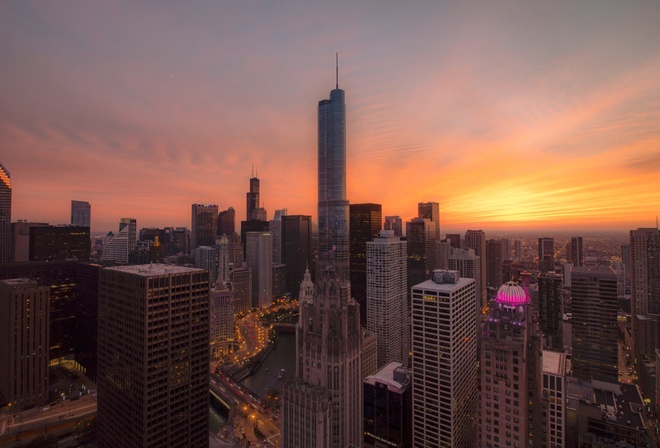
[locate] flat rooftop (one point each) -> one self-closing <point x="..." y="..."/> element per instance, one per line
<point x="433" y="286"/>
<point x="554" y="363"/>
<point x="148" y="270"/>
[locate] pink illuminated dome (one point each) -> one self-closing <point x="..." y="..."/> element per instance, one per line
<point x="511" y="293"/>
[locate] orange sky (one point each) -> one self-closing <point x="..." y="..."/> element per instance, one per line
<point x="514" y="115"/>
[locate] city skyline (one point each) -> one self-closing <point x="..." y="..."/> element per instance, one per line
<point x="535" y="116"/>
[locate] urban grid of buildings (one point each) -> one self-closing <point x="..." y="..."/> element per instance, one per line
<point x="403" y="338"/>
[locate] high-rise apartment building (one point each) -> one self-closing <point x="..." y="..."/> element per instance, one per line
<point x="328" y="368"/>
<point x="204" y="225"/>
<point x="645" y="290"/>
<point x="387" y="310"/>
<point x="366" y="221"/>
<point x="550" y="298"/>
<point x="576" y="251"/>
<point x="503" y="418"/>
<point x="395" y="224"/>
<point x="259" y="256"/>
<point x="546" y="254"/>
<point x="388" y="407"/>
<point x="5" y="214"/>
<point x="24" y="345"/>
<point x="153" y="356"/>
<point x="476" y="239"/>
<point x="333" y="213"/>
<point x="81" y="213"/>
<point x="430" y="211"/>
<point x="296" y="249"/>
<point x="444" y="362"/>
<point x="595" y="329"/>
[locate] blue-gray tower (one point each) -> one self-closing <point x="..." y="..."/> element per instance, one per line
<point x="333" y="213"/>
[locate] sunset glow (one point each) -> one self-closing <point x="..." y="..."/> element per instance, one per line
<point x="511" y="115"/>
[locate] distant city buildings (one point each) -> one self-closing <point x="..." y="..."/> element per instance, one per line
<point x="550" y="300"/>
<point x="546" y="254"/>
<point x="430" y="211"/>
<point x="227" y="222"/>
<point x="576" y="251"/>
<point x="204" y="226"/>
<point x="121" y="245"/>
<point x="395" y="224"/>
<point x="366" y="221"/>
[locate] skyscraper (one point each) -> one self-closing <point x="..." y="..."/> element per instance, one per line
<point x="366" y="221"/>
<point x="333" y="214"/>
<point x="395" y="224"/>
<point x="296" y="249"/>
<point x="595" y="329"/>
<point x="24" y="323"/>
<point x="5" y="214"/>
<point x="444" y="362"/>
<point x="576" y="251"/>
<point x="494" y="261"/>
<point x="227" y="222"/>
<point x="275" y="227"/>
<point x="153" y="356"/>
<point x="81" y="213"/>
<point x="546" y="254"/>
<point x="253" y="208"/>
<point x="121" y="245"/>
<point x="504" y="346"/>
<point x="645" y="290"/>
<point x="204" y="226"/>
<point x="550" y="309"/>
<point x="328" y="367"/>
<point x="259" y="255"/>
<point x="430" y="211"/>
<point x="420" y="233"/>
<point x="476" y="239"/>
<point x="387" y="309"/>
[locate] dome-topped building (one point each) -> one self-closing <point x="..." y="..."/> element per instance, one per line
<point x="511" y="293"/>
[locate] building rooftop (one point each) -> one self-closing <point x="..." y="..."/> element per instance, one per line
<point x="148" y="270"/>
<point x="511" y="293"/>
<point x="554" y="363"/>
<point x="448" y="286"/>
<point x="386" y="376"/>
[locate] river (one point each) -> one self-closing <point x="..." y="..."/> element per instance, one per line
<point x="283" y="356"/>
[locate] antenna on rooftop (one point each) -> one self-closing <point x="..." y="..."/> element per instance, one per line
<point x="337" y="68"/>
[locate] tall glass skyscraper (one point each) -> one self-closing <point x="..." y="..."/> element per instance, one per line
<point x="333" y="213"/>
<point x="5" y="214"/>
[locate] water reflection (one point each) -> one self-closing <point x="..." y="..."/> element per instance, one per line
<point x="283" y="356"/>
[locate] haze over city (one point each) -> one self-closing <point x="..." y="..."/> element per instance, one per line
<point x="520" y="115"/>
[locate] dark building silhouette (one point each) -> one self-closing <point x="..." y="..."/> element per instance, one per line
<point x="59" y="243"/>
<point x="546" y="254"/>
<point x="431" y="211"/>
<point x="204" y="228"/>
<point x="476" y="239"/>
<point x="227" y="222"/>
<point x="454" y="240"/>
<point x="81" y="213"/>
<point x="365" y="224"/>
<point x="388" y="408"/>
<point x="5" y="214"/>
<point x="420" y="234"/>
<point x="395" y="224"/>
<point x="253" y="225"/>
<point x="86" y="317"/>
<point x="550" y="309"/>
<point x="296" y="249"/>
<point x="576" y="251"/>
<point x="493" y="264"/>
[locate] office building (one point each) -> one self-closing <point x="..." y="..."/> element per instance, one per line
<point x="121" y="244"/>
<point x="297" y="252"/>
<point x="468" y="265"/>
<point x="153" y="357"/>
<point x="388" y="408"/>
<point x="241" y="287"/>
<point x="59" y="243"/>
<point x="476" y="239"/>
<point x="253" y="225"/>
<point x="275" y="228"/>
<point x="369" y="358"/>
<point x="279" y="280"/>
<point x="222" y="248"/>
<point x="494" y="261"/>
<point x="328" y="367"/>
<point x="253" y="209"/>
<point x="645" y="289"/>
<point x="20" y="240"/>
<point x="420" y="235"/>
<point x="553" y="401"/>
<point x="387" y="310"/>
<point x="259" y="256"/>
<point x="81" y="214"/>
<point x="333" y="213"/>
<point x="576" y="251"/>
<point x="517" y="250"/>
<point x="455" y="240"/>
<point x="227" y="222"/>
<point x="86" y="311"/>
<point x="366" y="221"/>
<point x="430" y="211"/>
<point x="206" y="257"/>
<point x="444" y="362"/>
<point x="503" y="418"/>
<point x="5" y="214"/>
<point x="443" y="250"/>
<point x="221" y="317"/>
<point x="506" y="250"/>
<point x="546" y="254"/>
<point x="24" y="345"/>
<point x="395" y="224"/>
<point x="204" y="226"/>
<point x="550" y="295"/>
<point x="595" y="328"/>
